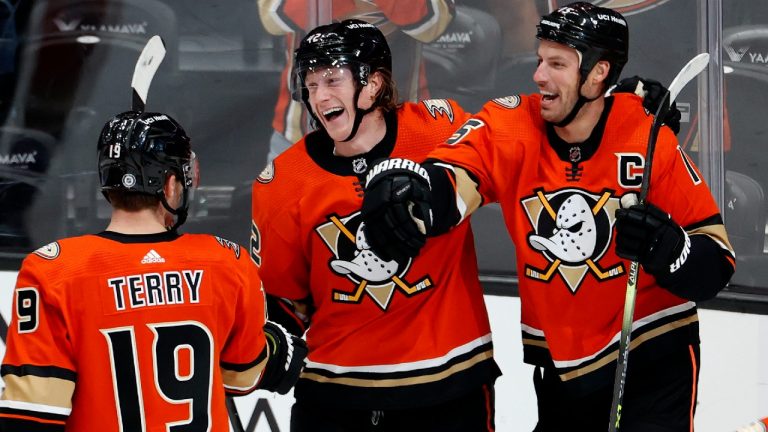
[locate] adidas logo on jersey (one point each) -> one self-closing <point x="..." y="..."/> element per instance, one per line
<point x="152" y="257"/>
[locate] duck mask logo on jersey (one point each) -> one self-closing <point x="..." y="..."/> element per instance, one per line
<point x="572" y="229"/>
<point x="354" y="259"/>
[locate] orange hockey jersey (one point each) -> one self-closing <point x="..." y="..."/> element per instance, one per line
<point x="116" y="332"/>
<point x="558" y="202"/>
<point x="384" y="334"/>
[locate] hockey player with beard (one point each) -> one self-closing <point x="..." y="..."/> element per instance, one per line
<point x="559" y="163"/>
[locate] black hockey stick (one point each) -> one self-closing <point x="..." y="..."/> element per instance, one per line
<point x="234" y="415"/>
<point x="146" y="66"/>
<point x="686" y="74"/>
<point x="149" y="61"/>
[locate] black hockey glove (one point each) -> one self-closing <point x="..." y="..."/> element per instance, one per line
<point x="286" y="359"/>
<point x="396" y="209"/>
<point x="648" y="235"/>
<point x="652" y="93"/>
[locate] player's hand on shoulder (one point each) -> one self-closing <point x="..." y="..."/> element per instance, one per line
<point x="286" y="359"/>
<point x="648" y="235"/>
<point x="396" y="208"/>
<point x="652" y="93"/>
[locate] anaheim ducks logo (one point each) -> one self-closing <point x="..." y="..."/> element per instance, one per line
<point x="572" y="229"/>
<point x="50" y="251"/>
<point x="229" y="245"/>
<point x="267" y="174"/>
<point x="509" y="102"/>
<point x="354" y="259"/>
<point x="439" y="107"/>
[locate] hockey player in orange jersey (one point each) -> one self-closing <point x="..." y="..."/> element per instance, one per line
<point x="559" y="163"/>
<point x="395" y="345"/>
<point x="139" y="327"/>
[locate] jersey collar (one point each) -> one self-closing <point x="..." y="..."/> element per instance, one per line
<point x="583" y="151"/>
<point x="319" y="147"/>
<point x="140" y="238"/>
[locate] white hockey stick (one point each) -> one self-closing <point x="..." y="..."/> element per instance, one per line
<point x="146" y="66"/>
<point x="686" y="75"/>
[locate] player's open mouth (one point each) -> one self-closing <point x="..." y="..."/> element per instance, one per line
<point x="332" y="113"/>
<point x="548" y="96"/>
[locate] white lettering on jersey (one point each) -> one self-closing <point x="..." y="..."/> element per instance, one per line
<point x="155" y="289"/>
<point x="464" y="130"/>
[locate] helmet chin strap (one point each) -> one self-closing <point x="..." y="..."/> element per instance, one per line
<point x="180" y="213"/>
<point x="580" y="102"/>
<point x="359" y="114"/>
<point x="576" y="108"/>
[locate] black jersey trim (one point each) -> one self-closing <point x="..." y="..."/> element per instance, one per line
<point x="331" y="394"/>
<point x="166" y="236"/>
<point x="650" y="342"/>
<point x="39" y="371"/>
<point x="588" y="147"/>
<point x="242" y="367"/>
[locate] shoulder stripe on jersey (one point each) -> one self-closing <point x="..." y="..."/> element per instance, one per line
<point x="715" y="219"/>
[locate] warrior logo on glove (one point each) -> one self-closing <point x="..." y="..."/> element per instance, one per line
<point x="396" y="164"/>
<point x="397" y="206"/>
<point x="572" y="230"/>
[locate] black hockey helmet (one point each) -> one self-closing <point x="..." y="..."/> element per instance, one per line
<point x="597" y="33"/>
<point x="137" y="152"/>
<point x="354" y="43"/>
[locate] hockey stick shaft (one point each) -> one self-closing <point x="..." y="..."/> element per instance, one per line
<point x="686" y="75"/>
<point x="234" y="415"/>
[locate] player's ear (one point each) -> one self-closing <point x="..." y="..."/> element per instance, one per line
<point x="599" y="73"/>
<point x="593" y="85"/>
<point x="172" y="189"/>
<point x="375" y="83"/>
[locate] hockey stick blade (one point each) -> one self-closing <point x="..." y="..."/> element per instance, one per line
<point x="686" y="75"/>
<point x="146" y="66"/>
